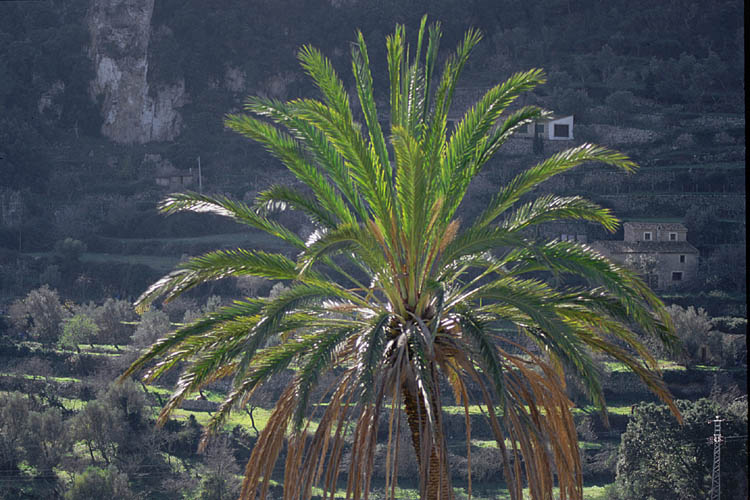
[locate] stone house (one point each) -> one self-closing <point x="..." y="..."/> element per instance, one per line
<point x="175" y="179"/>
<point x="167" y="175"/>
<point x="658" y="250"/>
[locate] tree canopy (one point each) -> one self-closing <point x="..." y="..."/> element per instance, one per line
<point x="660" y="459"/>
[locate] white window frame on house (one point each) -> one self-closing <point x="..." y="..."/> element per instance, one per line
<point x="647" y="235"/>
<point x="677" y="276"/>
<point x="672" y="236"/>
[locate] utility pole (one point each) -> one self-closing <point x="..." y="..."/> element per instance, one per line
<point x="716" y="439"/>
<point x="200" y="177"/>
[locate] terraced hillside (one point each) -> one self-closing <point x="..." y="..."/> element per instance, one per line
<point x="72" y="388"/>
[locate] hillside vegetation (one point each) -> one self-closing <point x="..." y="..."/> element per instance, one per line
<point x="80" y="237"/>
<point x="663" y="82"/>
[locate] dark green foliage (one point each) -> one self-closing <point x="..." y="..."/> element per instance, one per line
<point x="702" y="222"/>
<point x="32" y="435"/>
<point x="219" y="479"/>
<point x="14" y="410"/>
<point x="96" y="482"/>
<point x="726" y="269"/>
<point x="49" y="439"/>
<point x="70" y="249"/>
<point x="115" y="428"/>
<point x="42" y="47"/>
<point x="154" y="324"/>
<point x="184" y="437"/>
<point x="114" y="319"/>
<point x="622" y="104"/>
<point x="39" y="314"/>
<point x="730" y="324"/>
<point x="700" y="343"/>
<point x="661" y="459"/>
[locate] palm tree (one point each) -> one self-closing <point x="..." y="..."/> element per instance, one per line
<point x="393" y="295"/>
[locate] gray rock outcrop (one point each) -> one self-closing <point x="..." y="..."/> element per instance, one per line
<point x="133" y="111"/>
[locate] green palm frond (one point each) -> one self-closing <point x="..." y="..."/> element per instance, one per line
<point x="288" y="150"/>
<point x="248" y="308"/>
<point x="322" y="73"/>
<point x="363" y="79"/>
<point x="344" y="237"/>
<point x="370" y="176"/>
<point x="460" y="163"/>
<point x="623" y="286"/>
<point x="219" y="352"/>
<point x="536" y="300"/>
<point x="278" y="198"/>
<point x="217" y="265"/>
<point x="315" y="143"/>
<point x="516" y="120"/>
<point x="318" y="359"/>
<point x="486" y="350"/>
<point x="556" y="164"/>
<point x="550" y="208"/>
<point x="411" y="182"/>
<point x="477" y="240"/>
<point x="452" y="69"/>
<point x="240" y="212"/>
<point x="371" y="349"/>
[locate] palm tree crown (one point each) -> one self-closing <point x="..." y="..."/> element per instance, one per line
<point x="393" y="295"/>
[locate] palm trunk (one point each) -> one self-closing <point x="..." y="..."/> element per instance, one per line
<point x="436" y="483"/>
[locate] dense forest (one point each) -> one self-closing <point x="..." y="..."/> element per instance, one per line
<point x="108" y="105"/>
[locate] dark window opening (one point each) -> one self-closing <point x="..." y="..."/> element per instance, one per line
<point x="562" y="130"/>
<point x="672" y="236"/>
<point x="647" y="236"/>
<point x="677" y="276"/>
<point x="682" y="259"/>
<point x="539" y="128"/>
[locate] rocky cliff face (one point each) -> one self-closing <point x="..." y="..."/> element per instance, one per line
<point x="133" y="111"/>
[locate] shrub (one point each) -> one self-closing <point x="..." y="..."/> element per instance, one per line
<point x="40" y="314"/>
<point x="730" y="324"/>
<point x="70" y="249"/>
<point x="154" y="324"/>
<point x="621" y="102"/>
<point x="112" y="318"/>
<point x="700" y="343"/>
<point x="100" y="483"/>
<point x="78" y="329"/>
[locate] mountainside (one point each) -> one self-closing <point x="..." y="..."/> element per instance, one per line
<point x="100" y="98"/>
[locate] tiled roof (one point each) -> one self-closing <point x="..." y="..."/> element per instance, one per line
<point x="616" y="246"/>
<point x="664" y="226"/>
